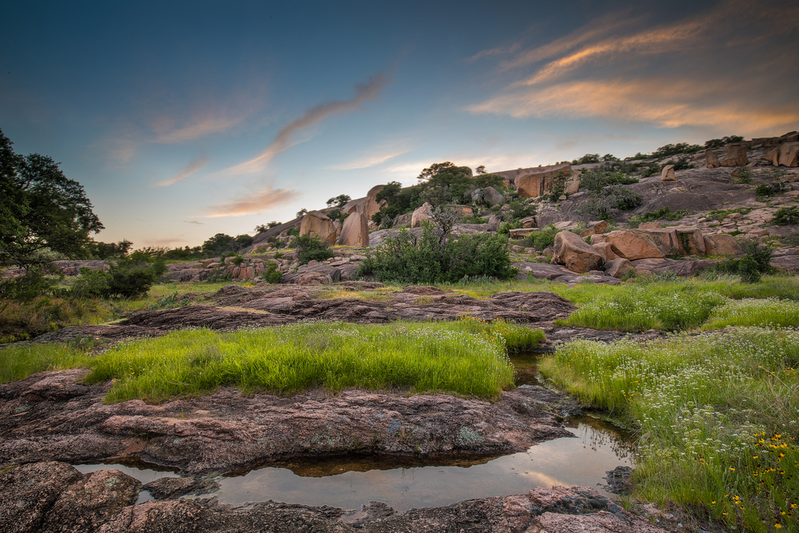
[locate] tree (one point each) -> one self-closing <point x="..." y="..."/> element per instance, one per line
<point x="41" y="209"/>
<point x="338" y="201"/>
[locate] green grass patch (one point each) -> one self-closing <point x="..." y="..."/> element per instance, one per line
<point x="678" y="305"/>
<point x="443" y="357"/>
<point x="717" y="416"/>
<point x="21" y="360"/>
<point x="768" y="313"/>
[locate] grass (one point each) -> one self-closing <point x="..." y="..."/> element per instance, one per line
<point x="22" y="320"/>
<point x="21" y="360"/>
<point x="683" y="304"/>
<point x="467" y="357"/>
<point x="717" y="415"/>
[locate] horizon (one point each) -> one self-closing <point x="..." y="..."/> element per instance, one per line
<point x="190" y="119"/>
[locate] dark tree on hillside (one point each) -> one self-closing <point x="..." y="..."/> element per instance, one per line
<point x="40" y="209"/>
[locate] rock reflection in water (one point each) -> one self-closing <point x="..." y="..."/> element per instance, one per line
<point x="404" y="484"/>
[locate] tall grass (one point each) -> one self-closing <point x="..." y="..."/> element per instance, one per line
<point x="770" y="312"/>
<point x="718" y="416"/>
<point x="20" y="361"/>
<point x="465" y="357"/>
<point x="22" y="320"/>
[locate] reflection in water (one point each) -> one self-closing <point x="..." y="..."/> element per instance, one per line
<point x="406" y="483"/>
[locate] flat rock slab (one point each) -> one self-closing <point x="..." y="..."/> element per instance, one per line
<point x="54" y="498"/>
<point x="239" y="307"/>
<point x="52" y="416"/>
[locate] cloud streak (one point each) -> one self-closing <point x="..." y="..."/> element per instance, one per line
<point x="253" y="203"/>
<point x="285" y="137"/>
<point x="193" y="166"/>
<point x="372" y="160"/>
<point x="715" y="68"/>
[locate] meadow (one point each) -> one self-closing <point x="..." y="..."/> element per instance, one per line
<point x="466" y="357"/>
<point x="717" y="417"/>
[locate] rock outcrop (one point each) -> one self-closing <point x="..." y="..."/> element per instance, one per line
<point x="421" y="214"/>
<point x="355" y="231"/>
<point x="534" y="182"/>
<point x="629" y="244"/>
<point x="668" y="173"/>
<point x="736" y="156"/>
<point x="573" y="252"/>
<point x="317" y="224"/>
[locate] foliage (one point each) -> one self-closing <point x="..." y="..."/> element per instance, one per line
<point x="221" y="244"/>
<point x="594" y="181"/>
<point x="541" y="239"/>
<point x="104" y="250"/>
<point x="613" y="197"/>
<point x="431" y="259"/>
<point x="261" y="228"/>
<point x="785" y="216"/>
<point x="312" y="249"/>
<point x="129" y="277"/>
<point x="172" y="254"/>
<point x="664" y="213"/>
<point x="40" y="209"/>
<point x="271" y="274"/>
<point x="716" y="415"/>
<point x="521" y="208"/>
<point x="20" y="361"/>
<point x="30" y="285"/>
<point x="675" y="149"/>
<point x="558" y="186"/>
<point x="681" y="164"/>
<point x="21" y="320"/>
<point x="586" y="159"/>
<point x="744" y="176"/>
<point x="338" y="201"/>
<point x="755" y="262"/>
<point x="720" y="143"/>
<point x="290" y="359"/>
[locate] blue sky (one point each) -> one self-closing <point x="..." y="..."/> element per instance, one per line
<point x="186" y="119"/>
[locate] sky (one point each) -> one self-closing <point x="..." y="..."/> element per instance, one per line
<point x="183" y="119"/>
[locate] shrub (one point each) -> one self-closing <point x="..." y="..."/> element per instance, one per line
<point x="521" y="208"/>
<point x="429" y="259"/>
<point x="664" y="213"/>
<point x="541" y="239"/>
<point x="720" y="143"/>
<point x="271" y="274"/>
<point x="674" y="149"/>
<point x="755" y="262"/>
<point x="744" y="176"/>
<point x="785" y="216"/>
<point x="237" y="260"/>
<point x="586" y="159"/>
<point x="612" y="197"/>
<point x="130" y="277"/>
<point x="312" y="249"/>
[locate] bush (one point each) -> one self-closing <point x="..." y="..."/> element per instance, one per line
<point x="312" y="249"/>
<point x="755" y="262"/>
<point x="521" y="208"/>
<point x="613" y="197"/>
<point x="32" y="284"/>
<point x="541" y="239"/>
<point x="664" y="213"/>
<point x="271" y="274"/>
<point x="785" y="216"/>
<point x="404" y="259"/>
<point x="674" y="149"/>
<point x="130" y="277"/>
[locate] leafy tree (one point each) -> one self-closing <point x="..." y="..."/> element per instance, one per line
<point x="338" y="201"/>
<point x="40" y="209"/>
<point x="302" y="212"/>
<point x="720" y="143"/>
<point x="221" y="244"/>
<point x="480" y="170"/>
<point x="129" y="277"/>
<point x="105" y="250"/>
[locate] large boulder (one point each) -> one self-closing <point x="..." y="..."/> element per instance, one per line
<point x="618" y="267"/>
<point x="711" y="159"/>
<point x="691" y="240"/>
<point x="666" y="239"/>
<point x="355" y="231"/>
<point x="421" y="214"/>
<point x="368" y="205"/>
<point x="317" y="224"/>
<point x="593" y="227"/>
<point x="788" y="155"/>
<point x="722" y="244"/>
<point x="736" y="155"/>
<point x="537" y="181"/>
<point x="629" y="244"/>
<point x="492" y="196"/>
<point x="573" y="252"/>
<point x="668" y="173"/>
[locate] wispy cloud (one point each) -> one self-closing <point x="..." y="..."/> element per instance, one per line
<point x="664" y="102"/>
<point x="715" y="68"/>
<point x="253" y="203"/>
<point x="379" y="157"/>
<point x="285" y="137"/>
<point x="193" y="166"/>
<point x="194" y="222"/>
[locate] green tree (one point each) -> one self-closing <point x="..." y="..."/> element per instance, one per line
<point x="41" y="209"/>
<point x="338" y="201"/>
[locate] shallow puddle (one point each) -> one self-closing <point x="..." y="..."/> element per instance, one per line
<point x="406" y="483"/>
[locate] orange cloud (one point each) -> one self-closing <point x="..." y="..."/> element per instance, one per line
<point x="253" y="203"/>
<point x="664" y="102"/>
<point x="193" y="166"/>
<point x="284" y="139"/>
